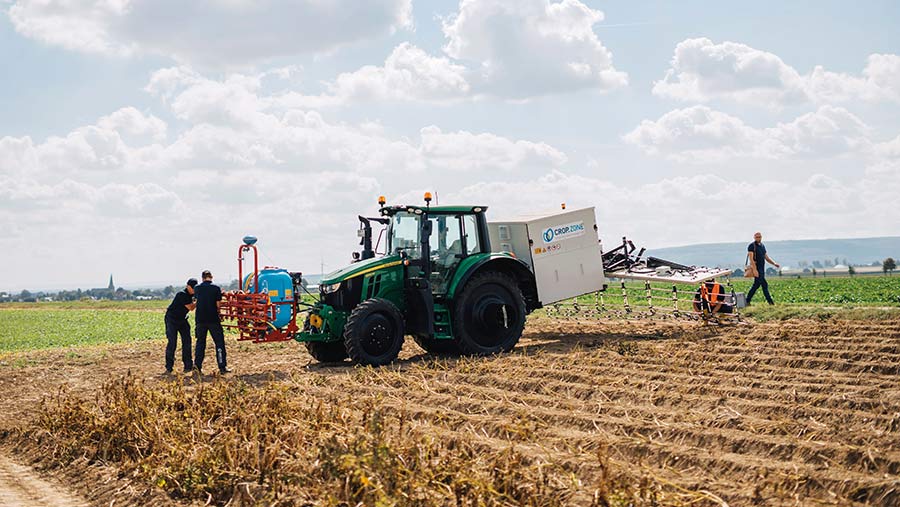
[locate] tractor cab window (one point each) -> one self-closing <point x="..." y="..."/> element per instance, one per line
<point x="446" y="250"/>
<point x="446" y="239"/>
<point x="470" y="226"/>
<point x="403" y="234"/>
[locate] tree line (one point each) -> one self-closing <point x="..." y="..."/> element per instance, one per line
<point x="119" y="294"/>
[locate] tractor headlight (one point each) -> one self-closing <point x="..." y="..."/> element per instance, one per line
<point x="328" y="289"/>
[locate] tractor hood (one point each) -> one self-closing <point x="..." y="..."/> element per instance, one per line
<point x="360" y="268"/>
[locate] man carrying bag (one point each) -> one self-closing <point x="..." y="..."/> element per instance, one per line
<point x="756" y="261"/>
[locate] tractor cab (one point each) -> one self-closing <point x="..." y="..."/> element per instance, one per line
<point x="436" y="239"/>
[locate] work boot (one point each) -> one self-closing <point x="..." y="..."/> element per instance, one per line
<point x="168" y="371"/>
<point x="223" y="371"/>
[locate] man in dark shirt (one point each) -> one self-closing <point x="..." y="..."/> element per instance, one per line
<point x="208" y="320"/>
<point x="756" y="252"/>
<point x="177" y="323"/>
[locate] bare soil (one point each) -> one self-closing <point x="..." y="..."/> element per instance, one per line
<point x="787" y="413"/>
<point x="20" y="486"/>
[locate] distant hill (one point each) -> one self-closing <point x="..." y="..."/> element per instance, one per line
<point x="790" y="253"/>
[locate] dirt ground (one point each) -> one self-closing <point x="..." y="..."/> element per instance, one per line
<point x="788" y="413"/>
<point x="20" y="486"/>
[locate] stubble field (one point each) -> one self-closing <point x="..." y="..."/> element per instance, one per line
<point x="602" y="412"/>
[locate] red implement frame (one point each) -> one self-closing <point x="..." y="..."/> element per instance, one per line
<point x="251" y="312"/>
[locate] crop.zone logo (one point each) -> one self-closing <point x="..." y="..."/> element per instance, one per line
<point x="562" y="232"/>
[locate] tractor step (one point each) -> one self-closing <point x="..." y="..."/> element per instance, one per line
<point x="442" y="329"/>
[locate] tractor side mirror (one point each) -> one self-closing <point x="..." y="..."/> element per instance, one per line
<point x="426" y="229"/>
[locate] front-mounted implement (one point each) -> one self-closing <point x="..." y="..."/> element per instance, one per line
<point x="265" y="308"/>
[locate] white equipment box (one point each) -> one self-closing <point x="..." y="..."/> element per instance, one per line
<point x="562" y="249"/>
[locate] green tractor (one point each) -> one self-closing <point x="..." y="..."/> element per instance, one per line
<point x="438" y="281"/>
<point x="449" y="279"/>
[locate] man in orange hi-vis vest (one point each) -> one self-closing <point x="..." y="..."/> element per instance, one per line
<point x="711" y="296"/>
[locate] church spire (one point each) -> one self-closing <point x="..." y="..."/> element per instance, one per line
<point x="112" y="287"/>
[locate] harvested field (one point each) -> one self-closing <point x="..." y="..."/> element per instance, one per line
<point x="780" y="413"/>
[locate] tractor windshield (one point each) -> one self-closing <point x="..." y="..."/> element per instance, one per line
<point x="403" y="234"/>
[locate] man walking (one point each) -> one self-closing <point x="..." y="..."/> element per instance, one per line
<point x="177" y="323"/>
<point x="756" y="251"/>
<point x="208" y="320"/>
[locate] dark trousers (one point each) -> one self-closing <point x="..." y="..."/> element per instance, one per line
<point x="174" y="327"/>
<point x="760" y="281"/>
<point x="218" y="336"/>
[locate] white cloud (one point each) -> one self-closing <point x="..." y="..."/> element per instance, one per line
<point x="408" y="73"/>
<point x="68" y="196"/>
<point x="829" y="131"/>
<point x="702" y="70"/>
<point x="234" y="125"/>
<point x="465" y="151"/>
<point x="514" y="50"/>
<point x="196" y="99"/>
<point x="880" y="80"/>
<point x="218" y="33"/>
<point x="702" y="135"/>
<point x="129" y="121"/>
<point x="527" y="48"/>
<point x="888" y="149"/>
<point x="120" y="142"/>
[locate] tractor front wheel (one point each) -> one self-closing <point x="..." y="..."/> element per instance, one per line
<point x="374" y="332"/>
<point x="489" y="314"/>
<point x="327" y="352"/>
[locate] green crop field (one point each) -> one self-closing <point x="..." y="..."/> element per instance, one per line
<point x="155" y="304"/>
<point x="869" y="290"/>
<point x="40" y="328"/>
<point x="870" y="297"/>
<point x="27" y="326"/>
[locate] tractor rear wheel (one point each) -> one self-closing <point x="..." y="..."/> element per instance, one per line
<point x="489" y="314"/>
<point x="374" y="332"/>
<point x="437" y="347"/>
<point x="327" y="352"/>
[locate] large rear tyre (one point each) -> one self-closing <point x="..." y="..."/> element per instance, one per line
<point x="374" y="332"/>
<point x="437" y="347"/>
<point x="489" y="315"/>
<point x="327" y="352"/>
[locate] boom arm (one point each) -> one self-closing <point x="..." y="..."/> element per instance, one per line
<point x="622" y="262"/>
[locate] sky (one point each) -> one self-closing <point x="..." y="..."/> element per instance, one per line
<point x="145" y="138"/>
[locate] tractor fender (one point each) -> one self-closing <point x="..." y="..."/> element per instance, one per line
<point x="511" y="266"/>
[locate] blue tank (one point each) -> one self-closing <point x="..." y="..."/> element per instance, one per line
<point x="277" y="283"/>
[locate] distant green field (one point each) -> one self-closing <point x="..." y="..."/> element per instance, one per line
<point x="41" y="328"/>
<point x="28" y="326"/>
<point x="155" y="304"/>
<point x="872" y="290"/>
<point x="869" y="290"/>
<point x="870" y="297"/>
